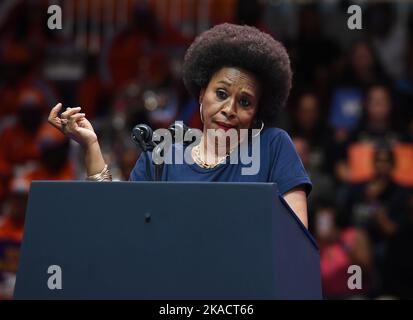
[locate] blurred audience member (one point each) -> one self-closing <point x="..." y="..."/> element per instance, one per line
<point x="377" y="128"/>
<point x="308" y="122"/>
<point x="363" y="67"/>
<point x="18" y="144"/>
<point x="377" y="205"/>
<point x="379" y="123"/>
<point x="339" y="249"/>
<point x="92" y="95"/>
<point x="11" y="235"/>
<point x="54" y="162"/>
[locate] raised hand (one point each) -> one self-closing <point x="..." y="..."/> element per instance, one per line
<point x="73" y="124"/>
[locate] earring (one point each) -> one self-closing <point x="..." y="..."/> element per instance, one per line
<point x="200" y="113"/>
<point x="262" y="127"/>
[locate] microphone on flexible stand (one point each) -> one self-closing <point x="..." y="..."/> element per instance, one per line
<point x="142" y="136"/>
<point x="179" y="130"/>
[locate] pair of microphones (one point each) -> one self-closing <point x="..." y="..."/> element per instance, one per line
<point x="143" y="136"/>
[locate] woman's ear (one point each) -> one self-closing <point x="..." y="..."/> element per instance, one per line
<point x="201" y="95"/>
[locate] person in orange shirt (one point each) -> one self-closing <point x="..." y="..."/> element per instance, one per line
<point x="18" y="142"/>
<point x="11" y="234"/>
<point x="12" y="219"/>
<point x="55" y="163"/>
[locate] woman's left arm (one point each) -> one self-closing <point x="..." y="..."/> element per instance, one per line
<point x="297" y="200"/>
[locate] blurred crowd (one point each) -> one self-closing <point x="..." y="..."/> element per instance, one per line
<point x="350" y="114"/>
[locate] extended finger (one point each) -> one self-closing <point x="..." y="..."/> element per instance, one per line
<point x="55" y="111"/>
<point x="53" y="116"/>
<point x="69" y="112"/>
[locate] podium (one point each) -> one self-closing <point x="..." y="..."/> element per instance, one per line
<point x="164" y="240"/>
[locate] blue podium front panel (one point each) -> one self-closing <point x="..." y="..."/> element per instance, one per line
<point x="164" y="240"/>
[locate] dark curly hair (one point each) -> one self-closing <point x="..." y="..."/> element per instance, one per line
<point x="229" y="45"/>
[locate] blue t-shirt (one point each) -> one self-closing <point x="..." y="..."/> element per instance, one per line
<point x="278" y="162"/>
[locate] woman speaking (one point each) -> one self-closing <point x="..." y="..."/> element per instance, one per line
<point x="241" y="77"/>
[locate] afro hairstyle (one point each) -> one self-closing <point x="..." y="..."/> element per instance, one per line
<point x="245" y="47"/>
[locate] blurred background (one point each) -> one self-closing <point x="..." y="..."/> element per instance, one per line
<point x="350" y="112"/>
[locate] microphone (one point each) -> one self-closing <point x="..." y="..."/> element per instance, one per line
<point x="178" y="130"/>
<point x="142" y="135"/>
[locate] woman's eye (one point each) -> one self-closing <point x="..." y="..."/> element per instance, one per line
<point x="221" y="94"/>
<point x="245" y="102"/>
